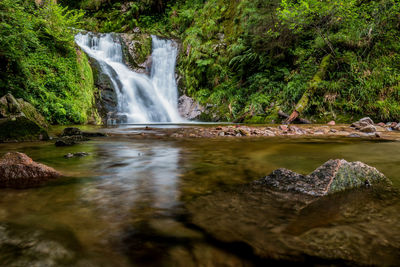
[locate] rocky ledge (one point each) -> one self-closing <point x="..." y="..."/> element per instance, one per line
<point x="72" y="135"/>
<point x="333" y="176"/>
<point x="20" y="121"/>
<point x="17" y="170"/>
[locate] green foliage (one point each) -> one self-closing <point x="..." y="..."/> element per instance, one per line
<point x="40" y="63"/>
<point x="251" y="58"/>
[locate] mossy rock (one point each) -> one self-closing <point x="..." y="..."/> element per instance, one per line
<point x="11" y="107"/>
<point x="32" y="114"/>
<point x="21" y="129"/>
<point x="136" y="49"/>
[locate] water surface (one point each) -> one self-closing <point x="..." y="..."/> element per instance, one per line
<point x="125" y="204"/>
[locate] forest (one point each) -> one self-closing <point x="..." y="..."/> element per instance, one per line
<point x="246" y="59"/>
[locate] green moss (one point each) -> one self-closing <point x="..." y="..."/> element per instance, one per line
<point x="141" y="50"/>
<point x="32" y="114"/>
<point x="21" y="129"/>
<point x="43" y="65"/>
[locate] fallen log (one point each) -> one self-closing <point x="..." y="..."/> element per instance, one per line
<point x="312" y="87"/>
<point x="299" y="120"/>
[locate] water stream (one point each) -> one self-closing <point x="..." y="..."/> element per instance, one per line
<point x="141" y="98"/>
<point x="133" y="202"/>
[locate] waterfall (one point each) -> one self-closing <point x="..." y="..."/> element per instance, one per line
<point x="142" y="98"/>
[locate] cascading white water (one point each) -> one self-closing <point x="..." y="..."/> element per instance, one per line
<point x="141" y="98"/>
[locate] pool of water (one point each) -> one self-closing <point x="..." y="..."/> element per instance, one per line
<point x="125" y="204"/>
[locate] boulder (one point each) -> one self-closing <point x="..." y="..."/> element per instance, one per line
<point x="72" y="135"/>
<point x="136" y="48"/>
<point x="366" y="121"/>
<point x="368" y="129"/>
<point x="189" y="108"/>
<point x="397" y="127"/>
<point x="71" y="131"/>
<point x="333" y="176"/>
<point x="21" y="129"/>
<point x="66" y="141"/>
<point x="19" y="170"/>
<point x="20" y="121"/>
<point x="106" y="97"/>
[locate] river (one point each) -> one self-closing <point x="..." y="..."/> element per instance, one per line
<point x="125" y="204"/>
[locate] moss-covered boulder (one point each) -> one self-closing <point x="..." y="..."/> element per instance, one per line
<point x="136" y="48"/>
<point x="20" y="121"/>
<point x="333" y="176"/>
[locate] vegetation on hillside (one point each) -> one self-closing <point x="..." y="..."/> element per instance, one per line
<point x="247" y="58"/>
<point x="39" y="61"/>
<point x="251" y="58"/>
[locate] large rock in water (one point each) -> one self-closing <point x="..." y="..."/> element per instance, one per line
<point x="333" y="176"/>
<point x="20" y="121"/>
<point x="17" y="170"/>
<point x="349" y="228"/>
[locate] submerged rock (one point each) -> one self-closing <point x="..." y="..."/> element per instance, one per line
<point x="30" y="246"/>
<point x="65" y="142"/>
<point x="333" y="176"/>
<point x="76" y="155"/>
<point x="19" y="121"/>
<point x="19" y="170"/>
<point x="72" y="135"/>
<point x="71" y="131"/>
<point x="350" y="228"/>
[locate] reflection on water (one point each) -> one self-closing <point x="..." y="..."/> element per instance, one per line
<point x="134" y="202"/>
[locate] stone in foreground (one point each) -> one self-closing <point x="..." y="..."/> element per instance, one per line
<point x="333" y="176"/>
<point x="18" y="170"/>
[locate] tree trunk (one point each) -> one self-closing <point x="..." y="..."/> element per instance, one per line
<point x="312" y="87"/>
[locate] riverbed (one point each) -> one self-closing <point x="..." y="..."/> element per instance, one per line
<point x="126" y="204"/>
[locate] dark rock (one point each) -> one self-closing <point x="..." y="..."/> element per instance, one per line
<point x="76" y="155"/>
<point x="19" y="170"/>
<point x="106" y="97"/>
<point x="71" y="131"/>
<point x="90" y="134"/>
<point x="70" y="140"/>
<point x="72" y="135"/>
<point x="21" y="129"/>
<point x="333" y="176"/>
<point x="19" y="121"/>
<point x="189" y="108"/>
